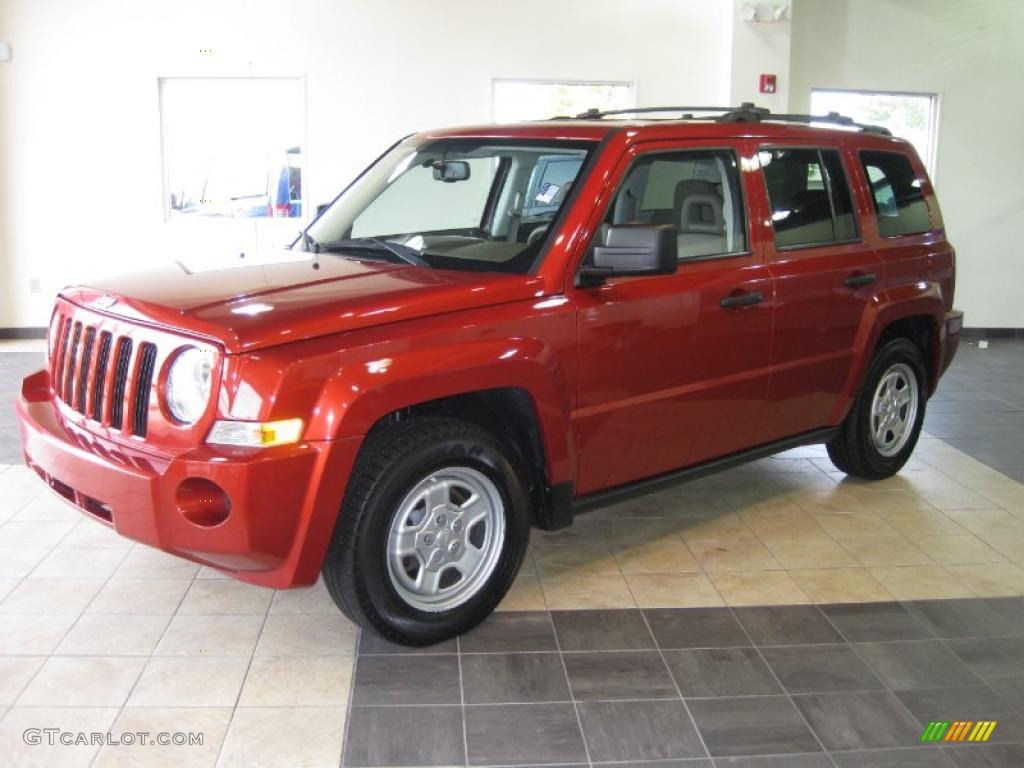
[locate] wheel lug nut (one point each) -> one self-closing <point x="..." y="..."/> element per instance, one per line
<point x="428" y="539"/>
<point x="457" y="526"/>
<point x="437" y="557"/>
<point x="453" y="548"/>
<point x="440" y="520"/>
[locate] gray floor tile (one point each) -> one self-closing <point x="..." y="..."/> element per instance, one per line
<point x="775" y="761"/>
<point x="820" y="668"/>
<point x="404" y="736"/>
<point x="987" y="756"/>
<point x="964" y="618"/>
<point x="523" y="734"/>
<point x="762" y="725"/>
<point x="864" y="622"/>
<point x="619" y="675"/>
<point x="787" y="625"/>
<point x="709" y="672"/>
<point x="370" y="643"/>
<point x="968" y="703"/>
<point x="919" y="664"/>
<point x="695" y="628"/>
<point x="507" y="678"/>
<point x="872" y="720"/>
<point x="640" y="730"/>
<point x="992" y="658"/>
<point x="916" y="757"/>
<point x="616" y="630"/>
<point x="509" y="631"/>
<point x="406" y="680"/>
<point x="1010" y="690"/>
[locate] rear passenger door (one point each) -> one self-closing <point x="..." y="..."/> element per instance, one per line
<point x="825" y="277"/>
<point x="668" y="375"/>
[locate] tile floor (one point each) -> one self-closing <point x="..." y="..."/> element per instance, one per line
<point x="637" y="636"/>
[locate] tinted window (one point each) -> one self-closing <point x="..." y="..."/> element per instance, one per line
<point x="896" y="190"/>
<point x="698" y="192"/>
<point x="809" y="195"/>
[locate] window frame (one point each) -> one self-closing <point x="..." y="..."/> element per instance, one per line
<point x="858" y="236"/>
<point x="642" y="154"/>
<point x="874" y="202"/>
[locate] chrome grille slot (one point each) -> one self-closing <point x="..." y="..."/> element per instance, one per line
<point x="60" y="355"/>
<point x="144" y="383"/>
<point x="69" y="375"/>
<point x="124" y="354"/>
<point x="106" y="339"/>
<point x="84" y="369"/>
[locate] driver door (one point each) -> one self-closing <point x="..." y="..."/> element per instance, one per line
<point x="674" y="368"/>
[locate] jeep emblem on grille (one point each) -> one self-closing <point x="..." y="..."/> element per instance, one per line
<point x="104" y="302"/>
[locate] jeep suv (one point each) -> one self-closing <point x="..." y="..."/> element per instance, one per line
<point x="494" y="328"/>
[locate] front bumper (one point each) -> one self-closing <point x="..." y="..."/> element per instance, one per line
<point x="283" y="501"/>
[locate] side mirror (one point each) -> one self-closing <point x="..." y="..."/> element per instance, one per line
<point x="632" y="250"/>
<point x="451" y="170"/>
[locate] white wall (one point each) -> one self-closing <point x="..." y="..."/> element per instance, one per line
<point x="760" y="48"/>
<point x="80" y="175"/>
<point x="970" y="52"/>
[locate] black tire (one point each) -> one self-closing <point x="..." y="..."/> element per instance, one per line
<point x="853" y="451"/>
<point x="392" y="460"/>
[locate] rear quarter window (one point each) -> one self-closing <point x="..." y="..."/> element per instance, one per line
<point x="896" y="191"/>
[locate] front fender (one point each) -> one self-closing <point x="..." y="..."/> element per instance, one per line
<point x="360" y="393"/>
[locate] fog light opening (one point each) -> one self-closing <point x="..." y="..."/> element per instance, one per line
<point x="202" y="502"/>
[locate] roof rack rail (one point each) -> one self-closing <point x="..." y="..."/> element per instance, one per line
<point x="746" y="112"/>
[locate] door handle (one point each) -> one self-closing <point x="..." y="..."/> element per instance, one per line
<point x="742" y="300"/>
<point x="859" y="280"/>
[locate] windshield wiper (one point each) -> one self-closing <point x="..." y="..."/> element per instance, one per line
<point x="308" y="243"/>
<point x="403" y="253"/>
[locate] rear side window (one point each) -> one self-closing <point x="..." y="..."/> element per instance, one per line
<point x="809" y="195"/>
<point x="896" y="190"/>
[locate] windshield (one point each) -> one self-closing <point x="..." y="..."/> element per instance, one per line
<point x="469" y="204"/>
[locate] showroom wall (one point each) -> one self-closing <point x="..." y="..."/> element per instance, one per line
<point x="971" y="53"/>
<point x="80" y="167"/>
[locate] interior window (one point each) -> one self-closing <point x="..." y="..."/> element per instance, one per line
<point x="809" y="195"/>
<point x="697" y="191"/>
<point x="899" y="203"/>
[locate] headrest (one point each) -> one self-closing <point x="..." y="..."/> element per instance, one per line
<point x="702" y="213"/>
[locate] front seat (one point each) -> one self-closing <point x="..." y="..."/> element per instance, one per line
<point x="697" y="211"/>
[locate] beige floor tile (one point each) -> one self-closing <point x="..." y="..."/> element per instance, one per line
<point x="579" y="559"/>
<point x="190" y="681"/>
<point x="569" y="591"/>
<point x="745" y="553"/>
<point x="920" y="582"/>
<point x="526" y="593"/>
<point x="314" y="599"/>
<point x="884" y="550"/>
<point x="673" y="590"/>
<point x="145" y="562"/>
<point x="311" y="634"/>
<point x="725" y="526"/>
<point x="225" y="596"/>
<point x="284" y="681"/>
<point x="82" y="681"/>
<point x="667" y="555"/>
<point x="960" y="499"/>
<point x="130" y="596"/>
<point x="922" y="522"/>
<point x="65" y="719"/>
<point x="1009" y="545"/>
<point x="686" y="501"/>
<point x="49" y="507"/>
<point x="80" y="562"/>
<point x="93" y="535"/>
<point x="836" y="501"/>
<point x="99" y="634"/>
<point x="767" y="500"/>
<point x="839" y="525"/>
<point x="809" y="552"/>
<point x="7" y="585"/>
<point x="42" y="534"/>
<point x="840" y="585"/>
<point x="789" y="524"/>
<point x="292" y="736"/>
<point x="33" y="634"/>
<point x="758" y="588"/>
<point x="209" y="572"/>
<point x="211" y="722"/>
<point x="15" y="673"/>
<point x="35" y="595"/>
<point x="959" y="549"/>
<point x="213" y="635"/>
<point x="19" y="561"/>
<point x="988" y="521"/>
<point x="991" y="579"/>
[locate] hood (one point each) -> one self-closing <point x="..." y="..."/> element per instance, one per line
<point x="283" y="299"/>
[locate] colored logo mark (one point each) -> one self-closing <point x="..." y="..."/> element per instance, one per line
<point x="958" y="730"/>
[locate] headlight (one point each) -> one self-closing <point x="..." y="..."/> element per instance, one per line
<point x="188" y="384"/>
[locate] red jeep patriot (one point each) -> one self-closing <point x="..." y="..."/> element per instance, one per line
<point x="493" y="328"/>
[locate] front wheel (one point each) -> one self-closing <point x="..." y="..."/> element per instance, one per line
<point x="432" y="532"/>
<point x="884" y="422"/>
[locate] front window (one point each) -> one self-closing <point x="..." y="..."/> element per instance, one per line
<point x="469" y="204"/>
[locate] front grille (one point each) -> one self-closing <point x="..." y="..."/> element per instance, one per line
<point x="83" y="380"/>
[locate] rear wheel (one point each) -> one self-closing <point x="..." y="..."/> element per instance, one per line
<point x="432" y="531"/>
<point x="884" y="422"/>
